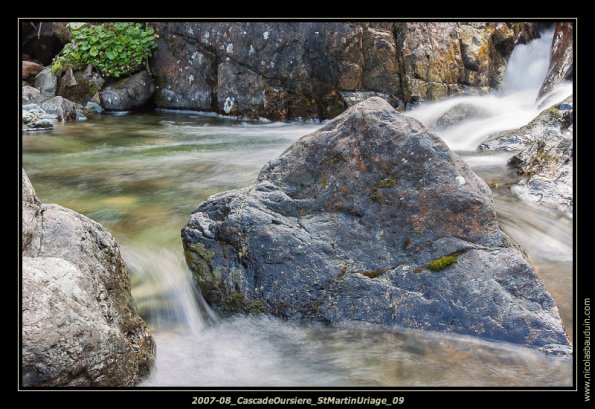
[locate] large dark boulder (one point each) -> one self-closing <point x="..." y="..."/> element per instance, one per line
<point x="284" y="70"/>
<point x="371" y="218"/>
<point x="80" y="326"/>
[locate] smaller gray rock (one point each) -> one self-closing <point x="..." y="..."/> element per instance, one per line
<point x="459" y="113"/>
<point x="42" y="124"/>
<point x="30" y="95"/>
<point x="63" y="108"/>
<point x="94" y="107"/>
<point x="128" y="93"/>
<point x="49" y="116"/>
<point x="546" y="168"/>
<point x="30" y="107"/>
<point x="27" y="116"/>
<point x="80" y="116"/>
<point x="46" y="82"/>
<point x="81" y="86"/>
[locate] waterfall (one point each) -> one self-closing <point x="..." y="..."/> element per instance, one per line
<point x="511" y="108"/>
<point x="527" y="65"/>
<point x="165" y="294"/>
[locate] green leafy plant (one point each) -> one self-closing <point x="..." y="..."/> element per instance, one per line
<point x="114" y="49"/>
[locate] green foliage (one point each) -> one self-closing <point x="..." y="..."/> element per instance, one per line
<point x="114" y="49"/>
<point x="441" y="263"/>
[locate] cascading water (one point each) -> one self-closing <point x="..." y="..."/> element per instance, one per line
<point x="141" y="176"/>
<point x="527" y="65"/>
<point x="511" y="108"/>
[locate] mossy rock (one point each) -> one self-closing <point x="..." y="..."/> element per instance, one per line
<point x="441" y="263"/>
<point x="239" y="302"/>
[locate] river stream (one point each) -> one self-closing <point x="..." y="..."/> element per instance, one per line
<point x="141" y="175"/>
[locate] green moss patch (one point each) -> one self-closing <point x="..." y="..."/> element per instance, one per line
<point x="239" y="302"/>
<point x="383" y="184"/>
<point x="441" y="263"/>
<point x="388" y="182"/>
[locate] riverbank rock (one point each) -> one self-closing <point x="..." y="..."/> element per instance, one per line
<point x="545" y="160"/>
<point x="546" y="168"/>
<point x="30" y="95"/>
<point x="555" y="121"/>
<point x="46" y="83"/>
<point x="128" y="93"/>
<point x="62" y="108"/>
<point x="302" y="69"/>
<point x="80" y="326"/>
<point x="34" y="118"/>
<point x="80" y="86"/>
<point x="561" y="65"/>
<point x="30" y="69"/>
<point x="371" y="218"/>
<point x="546" y="164"/>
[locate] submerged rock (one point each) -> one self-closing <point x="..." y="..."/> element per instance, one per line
<point x="128" y="93"/>
<point x="80" y="326"/>
<point x="459" y="113"/>
<point x="371" y="218"/>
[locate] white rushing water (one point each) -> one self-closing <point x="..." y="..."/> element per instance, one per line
<point x="514" y="106"/>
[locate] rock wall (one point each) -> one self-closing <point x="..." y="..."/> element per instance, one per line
<point x="371" y="218"/>
<point x="305" y="70"/>
<point x="561" y="65"/>
<point x="80" y="326"/>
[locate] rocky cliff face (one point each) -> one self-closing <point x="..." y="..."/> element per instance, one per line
<point x="311" y="70"/>
<point x="371" y="218"/>
<point x="80" y="326"/>
<point x="561" y="65"/>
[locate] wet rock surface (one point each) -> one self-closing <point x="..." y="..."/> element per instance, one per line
<point x="302" y="69"/>
<point x="371" y="218"/>
<point x="80" y="326"/>
<point x="561" y="65"/>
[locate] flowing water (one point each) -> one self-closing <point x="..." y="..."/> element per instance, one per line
<point x="141" y="175"/>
